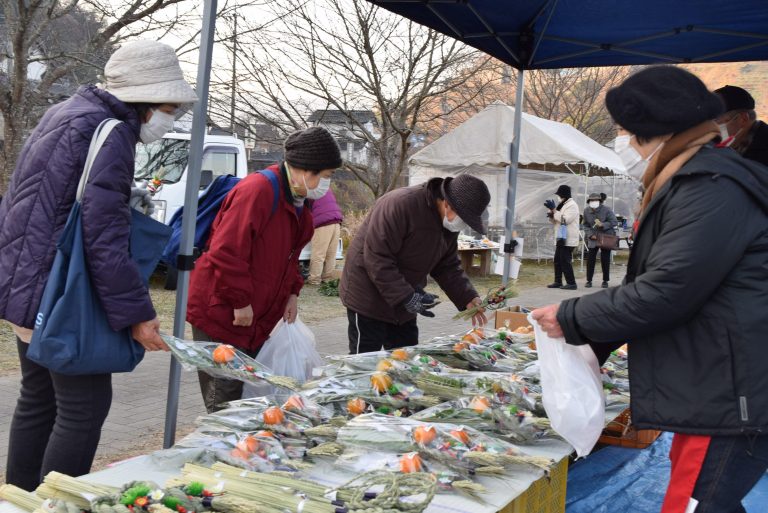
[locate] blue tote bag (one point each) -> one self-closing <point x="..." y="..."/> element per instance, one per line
<point x="72" y="334"/>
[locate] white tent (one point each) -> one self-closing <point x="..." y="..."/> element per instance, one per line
<point x="480" y="146"/>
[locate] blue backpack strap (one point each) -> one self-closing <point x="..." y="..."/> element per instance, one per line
<point x="272" y="177"/>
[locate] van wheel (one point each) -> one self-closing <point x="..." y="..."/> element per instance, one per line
<point x="171" y="278"/>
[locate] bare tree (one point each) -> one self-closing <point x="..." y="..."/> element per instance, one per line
<point x="347" y="59"/>
<point x="574" y="96"/>
<point x="51" y="46"/>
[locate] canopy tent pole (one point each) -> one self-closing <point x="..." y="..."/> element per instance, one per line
<point x="189" y="217"/>
<point x="514" y="158"/>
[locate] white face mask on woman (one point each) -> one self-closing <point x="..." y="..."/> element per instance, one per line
<point x="454" y="226"/>
<point x="633" y="162"/>
<point x="594" y="204"/>
<point x="158" y="125"/>
<point x="319" y="191"/>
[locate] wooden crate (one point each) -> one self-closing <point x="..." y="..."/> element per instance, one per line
<point x="621" y="432"/>
<point x="547" y="495"/>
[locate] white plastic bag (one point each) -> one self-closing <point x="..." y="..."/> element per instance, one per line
<point x="572" y="390"/>
<point x="289" y="351"/>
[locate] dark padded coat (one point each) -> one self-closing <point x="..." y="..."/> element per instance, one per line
<point x="42" y="190"/>
<point x="694" y="305"/>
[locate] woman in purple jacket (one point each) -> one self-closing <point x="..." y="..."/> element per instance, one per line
<point x="327" y="218"/>
<point x="57" y="422"/>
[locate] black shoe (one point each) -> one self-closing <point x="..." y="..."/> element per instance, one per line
<point x="604" y="285"/>
<point x="569" y="287"/>
<point x="588" y="285"/>
<point x="554" y="285"/>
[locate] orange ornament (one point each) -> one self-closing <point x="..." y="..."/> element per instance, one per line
<point x="469" y="338"/>
<point x="239" y="454"/>
<point x="273" y="415"/>
<point x="479" y="333"/>
<point x="383" y="365"/>
<point x="356" y="406"/>
<point x="410" y="462"/>
<point x="295" y="402"/>
<point x="400" y="354"/>
<point x="460" y="346"/>
<point x="248" y="444"/>
<point x="265" y="434"/>
<point x="460" y="435"/>
<point x="381" y="382"/>
<point x="480" y="404"/>
<point x="424" y="434"/>
<point x="224" y="353"/>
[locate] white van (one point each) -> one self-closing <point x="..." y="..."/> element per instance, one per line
<point x="167" y="159"/>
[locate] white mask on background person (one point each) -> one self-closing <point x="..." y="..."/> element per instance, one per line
<point x="158" y="125"/>
<point x="319" y="191"/>
<point x="633" y="162"/>
<point x="594" y="204"/>
<point x="454" y="226"/>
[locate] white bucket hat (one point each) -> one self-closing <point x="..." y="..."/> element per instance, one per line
<point x="147" y="72"/>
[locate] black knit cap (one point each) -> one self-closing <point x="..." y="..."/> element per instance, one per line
<point x="735" y="98"/>
<point x="469" y="197"/>
<point x="564" y="191"/>
<point x="661" y="100"/>
<point x="312" y="149"/>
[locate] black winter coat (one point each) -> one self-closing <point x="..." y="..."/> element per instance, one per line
<point x="694" y="305"/>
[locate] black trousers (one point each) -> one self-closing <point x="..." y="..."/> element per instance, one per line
<point x="605" y="263"/>
<point x="563" y="265"/>
<point x="218" y="391"/>
<point x="57" y="423"/>
<point x="367" y="335"/>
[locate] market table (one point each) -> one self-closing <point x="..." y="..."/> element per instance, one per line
<point x="467" y="257"/>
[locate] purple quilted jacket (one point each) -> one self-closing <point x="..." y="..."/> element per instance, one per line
<point x="40" y="197"/>
<point x="326" y="211"/>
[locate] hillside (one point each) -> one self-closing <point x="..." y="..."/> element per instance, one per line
<point x="752" y="76"/>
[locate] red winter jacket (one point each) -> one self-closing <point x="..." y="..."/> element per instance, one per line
<point x="252" y="259"/>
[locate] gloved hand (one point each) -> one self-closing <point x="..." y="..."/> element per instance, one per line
<point x="141" y="200"/>
<point x="598" y="223"/>
<point x="550" y="204"/>
<point x="420" y="304"/>
<point x="429" y="299"/>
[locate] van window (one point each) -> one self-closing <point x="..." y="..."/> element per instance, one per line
<point x="219" y="162"/>
<point x="165" y="159"/>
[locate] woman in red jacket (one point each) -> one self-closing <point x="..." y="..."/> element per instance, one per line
<point x="248" y="278"/>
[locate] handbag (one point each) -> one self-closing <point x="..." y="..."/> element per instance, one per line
<point x="562" y="232"/>
<point x="72" y="334"/>
<point x="605" y="241"/>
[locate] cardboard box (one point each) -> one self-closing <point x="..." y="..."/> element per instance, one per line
<point x="513" y="317"/>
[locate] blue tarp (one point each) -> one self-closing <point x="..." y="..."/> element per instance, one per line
<point x="633" y="481"/>
<point x="536" y="34"/>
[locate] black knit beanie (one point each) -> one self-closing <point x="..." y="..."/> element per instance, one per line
<point x="735" y="98"/>
<point x="312" y="149"/>
<point x="469" y="197"/>
<point x="661" y="100"/>
<point x="564" y="191"/>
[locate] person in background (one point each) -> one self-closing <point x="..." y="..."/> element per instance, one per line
<point x="248" y="277"/>
<point x="598" y="219"/>
<point x="411" y="233"/>
<point x="564" y="213"/>
<point x="58" y="418"/>
<point x="694" y="301"/>
<point x="739" y="127"/>
<point x="327" y="218"/>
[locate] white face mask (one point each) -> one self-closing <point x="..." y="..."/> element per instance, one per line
<point x="594" y="204"/>
<point x="319" y="191"/>
<point x="631" y="158"/>
<point x="158" y="125"/>
<point x="454" y="226"/>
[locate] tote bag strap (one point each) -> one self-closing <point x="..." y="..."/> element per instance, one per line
<point x="99" y="137"/>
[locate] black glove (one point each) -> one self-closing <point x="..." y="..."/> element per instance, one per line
<point x="550" y="204"/>
<point x="420" y="304"/>
<point x="429" y="299"/>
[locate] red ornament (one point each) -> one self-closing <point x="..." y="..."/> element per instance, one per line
<point x="181" y="509"/>
<point x="206" y="493"/>
<point x="141" y="501"/>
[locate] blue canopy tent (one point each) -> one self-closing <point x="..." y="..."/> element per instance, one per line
<point x="527" y="34"/>
<point x="545" y="34"/>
